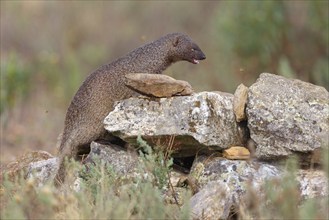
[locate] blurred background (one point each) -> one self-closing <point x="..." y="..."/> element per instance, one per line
<point x="49" y="47"/>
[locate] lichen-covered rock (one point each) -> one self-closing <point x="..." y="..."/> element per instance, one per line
<point x="43" y="171"/>
<point x="199" y="121"/>
<point x="313" y="183"/>
<point x="224" y="184"/>
<point x="213" y="202"/>
<point x="236" y="173"/>
<point x="121" y="161"/>
<point x="286" y="116"/>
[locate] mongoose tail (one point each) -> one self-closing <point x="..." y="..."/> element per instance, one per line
<point x="102" y="88"/>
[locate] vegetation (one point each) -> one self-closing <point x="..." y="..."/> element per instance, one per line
<point x="105" y="195"/>
<point x="102" y="194"/>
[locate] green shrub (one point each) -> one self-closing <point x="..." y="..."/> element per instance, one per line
<point x="15" y="82"/>
<point x="156" y="162"/>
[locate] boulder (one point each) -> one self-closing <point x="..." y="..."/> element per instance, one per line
<point x="201" y="121"/>
<point x="287" y="116"/>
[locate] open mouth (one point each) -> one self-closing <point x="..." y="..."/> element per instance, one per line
<point x="195" y="61"/>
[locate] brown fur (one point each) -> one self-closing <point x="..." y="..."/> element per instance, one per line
<point x="96" y="96"/>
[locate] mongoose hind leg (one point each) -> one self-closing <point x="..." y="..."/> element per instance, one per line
<point x="67" y="152"/>
<point x="70" y="151"/>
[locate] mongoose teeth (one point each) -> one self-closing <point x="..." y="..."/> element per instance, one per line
<point x="195" y="61"/>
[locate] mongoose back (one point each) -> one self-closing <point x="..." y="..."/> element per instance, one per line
<point x="97" y="94"/>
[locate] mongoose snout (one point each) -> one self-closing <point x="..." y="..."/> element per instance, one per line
<point x="103" y="87"/>
<point x="194" y="55"/>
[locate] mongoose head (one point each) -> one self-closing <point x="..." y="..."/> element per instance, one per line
<point x="185" y="49"/>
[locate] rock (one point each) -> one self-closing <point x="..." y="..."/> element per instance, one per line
<point x="239" y="103"/>
<point x="287" y="116"/>
<point x="157" y="85"/>
<point x="23" y="163"/>
<point x="313" y="183"/>
<point x="236" y="173"/>
<point x="236" y="153"/>
<point x="43" y="171"/>
<point x="175" y="193"/>
<point x="225" y="183"/>
<point x="122" y="162"/>
<point x="213" y="202"/>
<point x="196" y="122"/>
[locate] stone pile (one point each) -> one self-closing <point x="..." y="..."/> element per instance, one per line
<point x="250" y="132"/>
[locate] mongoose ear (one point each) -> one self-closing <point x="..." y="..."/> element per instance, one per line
<point x="176" y="41"/>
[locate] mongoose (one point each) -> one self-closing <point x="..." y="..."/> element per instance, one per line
<point x="97" y="94"/>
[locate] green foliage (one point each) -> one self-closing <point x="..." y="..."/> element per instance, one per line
<point x="285" y="68"/>
<point x="265" y="36"/>
<point x="96" y="178"/>
<point x="15" y="82"/>
<point x="249" y="36"/>
<point x="241" y="36"/>
<point x="283" y="198"/>
<point x="155" y="162"/>
<point x="62" y="77"/>
<point x="320" y="74"/>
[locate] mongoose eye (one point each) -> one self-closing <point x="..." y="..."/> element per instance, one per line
<point x="192" y="49"/>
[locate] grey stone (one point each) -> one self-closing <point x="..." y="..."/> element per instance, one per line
<point x="225" y="183"/>
<point x="214" y="201"/>
<point x="313" y="183"/>
<point x="286" y="116"/>
<point x="121" y="161"/>
<point x="43" y="171"/>
<point x="197" y="122"/>
<point x="236" y="173"/>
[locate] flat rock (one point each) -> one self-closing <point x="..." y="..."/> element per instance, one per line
<point x="236" y="153"/>
<point x="196" y="122"/>
<point x="157" y="85"/>
<point x="286" y="116"/>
